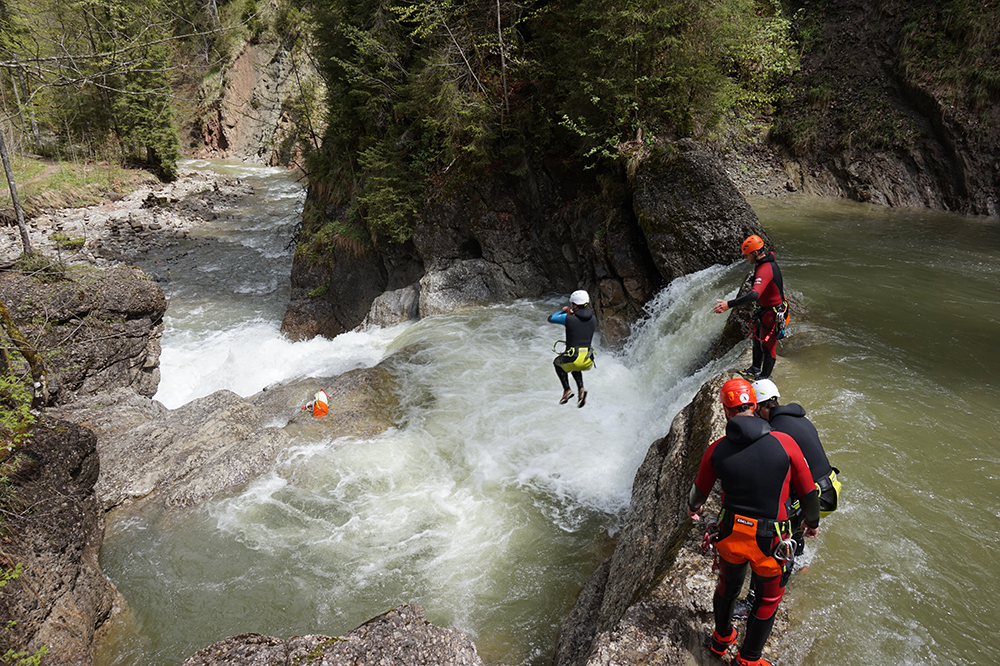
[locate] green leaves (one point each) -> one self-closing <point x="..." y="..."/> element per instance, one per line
<point x="631" y="71"/>
<point x="425" y="91"/>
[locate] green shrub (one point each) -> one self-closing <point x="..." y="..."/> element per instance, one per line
<point x="16" y="417"/>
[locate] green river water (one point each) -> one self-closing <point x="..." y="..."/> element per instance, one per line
<point x="898" y="365"/>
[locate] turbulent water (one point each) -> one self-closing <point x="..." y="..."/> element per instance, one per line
<point x="491" y="503"/>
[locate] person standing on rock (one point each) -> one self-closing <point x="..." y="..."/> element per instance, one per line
<point x="579" y="355"/>
<point x="769" y="308"/>
<point x="791" y="419"/>
<point x="755" y="467"/>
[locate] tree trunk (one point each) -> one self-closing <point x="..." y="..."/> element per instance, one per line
<point x="25" y="240"/>
<point x="28" y="107"/>
<point x="40" y="382"/>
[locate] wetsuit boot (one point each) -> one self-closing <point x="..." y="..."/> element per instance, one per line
<point x="722" y="607"/>
<point x="767" y="367"/>
<point x="753" y="373"/>
<point x="564" y="380"/>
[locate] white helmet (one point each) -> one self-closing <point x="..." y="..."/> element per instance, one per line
<point x="579" y="297"/>
<point x="765" y="390"/>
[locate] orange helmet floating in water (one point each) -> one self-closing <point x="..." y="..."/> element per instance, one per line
<point x="737" y="392"/>
<point x="752" y="244"/>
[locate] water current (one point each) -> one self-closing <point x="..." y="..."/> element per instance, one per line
<point x="491" y="503"/>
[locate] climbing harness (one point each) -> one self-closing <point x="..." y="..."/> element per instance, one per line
<point x="746" y="539"/>
<point x="581" y="358"/>
<point x="781" y="318"/>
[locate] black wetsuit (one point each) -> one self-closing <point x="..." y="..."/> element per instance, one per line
<point x="580" y="327"/>
<point x="791" y="419"/>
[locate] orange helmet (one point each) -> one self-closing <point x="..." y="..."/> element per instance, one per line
<point x="752" y="244"/>
<point x="737" y="392"/>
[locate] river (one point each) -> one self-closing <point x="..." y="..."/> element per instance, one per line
<point x="491" y="503"/>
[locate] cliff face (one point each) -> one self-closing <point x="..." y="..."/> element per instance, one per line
<point x="868" y="120"/>
<point x="260" y="113"/>
<point x="547" y="232"/>
<point x="97" y="330"/>
<point x="53" y="526"/>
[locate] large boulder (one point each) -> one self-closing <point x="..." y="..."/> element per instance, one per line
<point x="399" y="637"/>
<point x="98" y="330"/>
<point x="184" y="456"/>
<point x="691" y="213"/>
<point x="548" y="230"/>
<point x="53" y="529"/>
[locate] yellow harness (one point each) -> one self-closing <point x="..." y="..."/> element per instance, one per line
<point x="583" y="359"/>
<point x="829" y="493"/>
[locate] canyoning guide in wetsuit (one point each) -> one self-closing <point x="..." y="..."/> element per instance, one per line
<point x="770" y="308"/>
<point x="579" y="355"/>
<point x="755" y="467"/>
<point x="791" y="419"/>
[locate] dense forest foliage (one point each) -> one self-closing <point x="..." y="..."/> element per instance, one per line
<point x="871" y="70"/>
<point x="423" y="91"/>
<point x="108" y="80"/>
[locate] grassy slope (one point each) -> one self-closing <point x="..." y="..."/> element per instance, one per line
<point x="44" y="184"/>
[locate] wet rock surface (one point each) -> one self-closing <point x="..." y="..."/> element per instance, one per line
<point x="53" y="528"/>
<point x="399" y="637"/>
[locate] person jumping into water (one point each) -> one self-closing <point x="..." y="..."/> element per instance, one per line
<point x="768" y="296"/>
<point x="579" y="355"/>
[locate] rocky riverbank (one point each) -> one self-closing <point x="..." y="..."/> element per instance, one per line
<point x="124" y="228"/>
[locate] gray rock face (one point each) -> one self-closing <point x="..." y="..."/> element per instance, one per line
<point x="548" y="231"/>
<point x="184" y="456"/>
<point x="655" y="527"/>
<point x="399" y="637"/>
<point x="464" y="283"/>
<point x="690" y="212"/>
<point x="53" y="527"/>
<point x="394" y="307"/>
<point x="100" y="330"/>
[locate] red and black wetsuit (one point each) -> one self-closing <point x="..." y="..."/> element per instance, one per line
<point x="756" y="468"/>
<point x="768" y="291"/>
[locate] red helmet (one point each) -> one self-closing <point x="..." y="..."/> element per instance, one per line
<point x="752" y="244"/>
<point x="737" y="392"/>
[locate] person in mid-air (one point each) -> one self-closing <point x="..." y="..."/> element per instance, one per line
<point x="770" y="308"/>
<point x="579" y="355"/>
